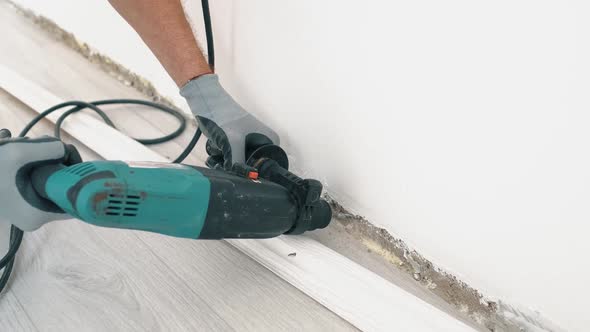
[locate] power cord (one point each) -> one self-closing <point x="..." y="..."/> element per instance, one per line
<point x="16" y="234"/>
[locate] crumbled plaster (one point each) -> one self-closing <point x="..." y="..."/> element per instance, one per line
<point x="461" y="296"/>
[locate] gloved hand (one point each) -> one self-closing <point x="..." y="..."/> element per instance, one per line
<point x="225" y="123"/>
<point x="19" y="203"/>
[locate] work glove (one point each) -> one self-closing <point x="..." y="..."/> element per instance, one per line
<point x="224" y="122"/>
<point x="20" y="204"/>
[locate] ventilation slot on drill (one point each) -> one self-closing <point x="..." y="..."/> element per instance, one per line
<point x="123" y="205"/>
<point x="82" y="169"/>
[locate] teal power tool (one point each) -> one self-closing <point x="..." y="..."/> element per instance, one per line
<point x="261" y="199"/>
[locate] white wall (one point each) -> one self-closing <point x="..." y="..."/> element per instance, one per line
<point x="463" y="127"/>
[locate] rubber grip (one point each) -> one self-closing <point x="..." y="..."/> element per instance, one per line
<point x="40" y="175"/>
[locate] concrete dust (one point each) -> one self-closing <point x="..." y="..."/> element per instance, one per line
<point x="377" y="250"/>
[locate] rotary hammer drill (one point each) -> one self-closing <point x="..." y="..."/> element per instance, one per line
<point x="259" y="199"/>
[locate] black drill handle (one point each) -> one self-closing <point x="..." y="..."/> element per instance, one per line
<point x="40" y="175"/>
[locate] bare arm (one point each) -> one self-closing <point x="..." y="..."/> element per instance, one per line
<point x="163" y="27"/>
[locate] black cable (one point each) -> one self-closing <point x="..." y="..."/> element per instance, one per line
<point x="7" y="262"/>
<point x="81" y="105"/>
<point x="208" y="33"/>
<point x="16" y="234"/>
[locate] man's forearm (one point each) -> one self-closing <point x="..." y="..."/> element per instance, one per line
<point x="163" y="27"/>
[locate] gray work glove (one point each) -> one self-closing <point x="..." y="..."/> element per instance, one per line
<point x="225" y="123"/>
<point x="19" y="203"/>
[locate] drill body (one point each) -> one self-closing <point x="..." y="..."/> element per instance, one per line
<point x="186" y="201"/>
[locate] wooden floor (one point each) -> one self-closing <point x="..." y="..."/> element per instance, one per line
<point x="71" y="276"/>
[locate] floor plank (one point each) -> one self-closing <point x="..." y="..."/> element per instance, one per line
<point x="14" y="317"/>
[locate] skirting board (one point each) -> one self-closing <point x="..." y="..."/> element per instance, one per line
<point x="356" y="294"/>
